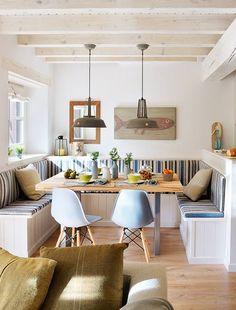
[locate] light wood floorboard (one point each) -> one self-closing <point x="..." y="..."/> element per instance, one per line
<point x="190" y="287"/>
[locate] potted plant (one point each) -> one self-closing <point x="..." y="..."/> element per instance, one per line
<point x="19" y="151"/>
<point x="10" y="151"/>
<point x="94" y="157"/>
<point x="114" y="157"/>
<point x="127" y="160"/>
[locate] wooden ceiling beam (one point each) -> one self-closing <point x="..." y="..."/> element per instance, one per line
<point x="66" y="24"/>
<point x="118" y="39"/>
<point x="76" y="6"/>
<point x="115" y="59"/>
<point x="122" y="51"/>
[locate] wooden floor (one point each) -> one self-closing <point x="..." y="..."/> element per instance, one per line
<point x="190" y="287"/>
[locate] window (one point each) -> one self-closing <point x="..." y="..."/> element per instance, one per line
<point x="16" y="121"/>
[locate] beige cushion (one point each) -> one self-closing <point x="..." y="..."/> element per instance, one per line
<point x="198" y="184"/>
<point x="28" y="177"/>
<point x="24" y="282"/>
<point x="86" y="277"/>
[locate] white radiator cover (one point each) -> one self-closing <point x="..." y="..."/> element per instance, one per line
<point x="102" y="204"/>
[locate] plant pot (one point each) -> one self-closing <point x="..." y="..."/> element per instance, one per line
<point x="126" y="171"/>
<point x="19" y="156"/>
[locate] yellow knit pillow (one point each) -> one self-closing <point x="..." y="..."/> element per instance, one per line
<point x="28" y="177"/>
<point x="24" y="282"/>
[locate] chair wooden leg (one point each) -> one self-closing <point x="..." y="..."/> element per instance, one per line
<point x="60" y="237"/>
<point x="73" y="237"/>
<point x="122" y="235"/>
<point x="78" y="237"/>
<point x="145" y="247"/>
<point x="90" y="235"/>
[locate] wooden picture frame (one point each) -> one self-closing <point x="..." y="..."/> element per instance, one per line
<point x="85" y="135"/>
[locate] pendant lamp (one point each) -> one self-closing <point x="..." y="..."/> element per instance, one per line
<point x="142" y="120"/>
<point x="89" y="120"/>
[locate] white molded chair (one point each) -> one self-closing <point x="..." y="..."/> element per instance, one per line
<point x="67" y="210"/>
<point x="132" y="211"/>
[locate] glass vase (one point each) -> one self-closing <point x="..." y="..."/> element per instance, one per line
<point x="94" y="169"/>
<point x="126" y="171"/>
<point x="114" y="170"/>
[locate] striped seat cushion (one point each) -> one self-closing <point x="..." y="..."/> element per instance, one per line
<point x="26" y="207"/>
<point x="203" y="208"/>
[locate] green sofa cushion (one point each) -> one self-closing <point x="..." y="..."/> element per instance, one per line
<point x="86" y="277"/>
<point x="24" y="282"/>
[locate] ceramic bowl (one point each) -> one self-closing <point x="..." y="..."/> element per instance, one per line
<point x="85" y="177"/>
<point x="168" y="177"/>
<point x="134" y="177"/>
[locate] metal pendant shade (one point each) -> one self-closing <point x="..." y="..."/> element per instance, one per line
<point x="89" y="121"/>
<point x="142" y="120"/>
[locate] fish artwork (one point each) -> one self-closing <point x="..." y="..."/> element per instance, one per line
<point x="162" y="124"/>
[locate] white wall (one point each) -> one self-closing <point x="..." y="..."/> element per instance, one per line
<point x="199" y="104"/>
<point x="37" y="140"/>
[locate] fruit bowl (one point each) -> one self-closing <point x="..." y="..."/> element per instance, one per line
<point x="146" y="173"/>
<point x="167" y="174"/>
<point x="85" y="177"/>
<point x="133" y="177"/>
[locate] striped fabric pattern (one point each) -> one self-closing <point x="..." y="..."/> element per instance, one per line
<point x="185" y="169"/>
<point x="203" y="208"/>
<point x="211" y="206"/>
<point x="217" y="187"/>
<point x="9" y="188"/>
<point x="26" y="207"/>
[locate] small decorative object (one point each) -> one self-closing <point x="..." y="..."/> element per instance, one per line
<point x="94" y="157"/>
<point x="78" y="148"/>
<point x="231" y="152"/>
<point x="106" y="173"/>
<point x="61" y="146"/>
<point x="216" y="135"/>
<point x="167" y="174"/>
<point x="19" y="151"/>
<point x="114" y="157"/>
<point x="145" y="173"/>
<point x="70" y="174"/>
<point x="127" y="160"/>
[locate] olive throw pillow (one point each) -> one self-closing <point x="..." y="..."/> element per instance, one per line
<point x="86" y="277"/>
<point x="198" y="184"/>
<point x="24" y="282"/>
<point x="28" y="177"/>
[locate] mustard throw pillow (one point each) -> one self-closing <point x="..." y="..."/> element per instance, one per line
<point x="24" y="282"/>
<point x="28" y="177"/>
<point x="86" y="277"/>
<point x="198" y="184"/>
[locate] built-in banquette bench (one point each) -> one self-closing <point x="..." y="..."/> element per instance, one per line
<point x="103" y="204"/>
<point x="202" y="222"/>
<point x="24" y="224"/>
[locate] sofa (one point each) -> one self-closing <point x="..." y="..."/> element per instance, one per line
<point x="86" y="277"/>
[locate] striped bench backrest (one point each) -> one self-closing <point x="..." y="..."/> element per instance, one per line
<point x="9" y="187"/>
<point x="185" y="169"/>
<point x="217" y="187"/>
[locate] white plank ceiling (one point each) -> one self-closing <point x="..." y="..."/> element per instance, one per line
<point x="177" y="30"/>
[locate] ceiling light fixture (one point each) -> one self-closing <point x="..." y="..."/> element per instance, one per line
<point x="89" y="120"/>
<point x="142" y="120"/>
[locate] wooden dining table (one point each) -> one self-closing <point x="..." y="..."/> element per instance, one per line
<point x="114" y="186"/>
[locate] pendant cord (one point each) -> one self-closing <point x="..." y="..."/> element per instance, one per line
<point x="89" y="72"/>
<point x="89" y="98"/>
<point x="142" y="74"/>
